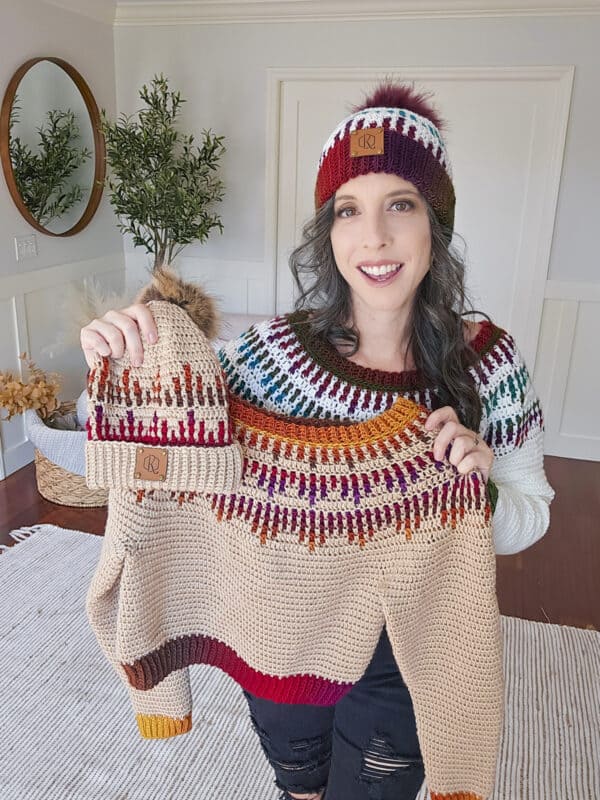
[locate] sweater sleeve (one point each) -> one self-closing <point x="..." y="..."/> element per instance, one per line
<point x="513" y="427"/>
<point x="165" y="710"/>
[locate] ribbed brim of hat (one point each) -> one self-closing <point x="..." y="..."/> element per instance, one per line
<point x="112" y="465"/>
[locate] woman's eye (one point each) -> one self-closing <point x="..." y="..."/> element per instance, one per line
<point x="397" y="205"/>
<point x="406" y="203"/>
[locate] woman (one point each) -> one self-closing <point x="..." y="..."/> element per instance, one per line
<point x="380" y="314"/>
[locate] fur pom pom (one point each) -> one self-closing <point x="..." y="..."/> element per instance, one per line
<point x="168" y="285"/>
<point x="396" y="95"/>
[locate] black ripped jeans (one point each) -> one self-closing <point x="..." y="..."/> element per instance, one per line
<point x="363" y="748"/>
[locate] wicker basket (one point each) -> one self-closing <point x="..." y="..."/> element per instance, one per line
<point x="59" y="485"/>
<point x="62" y="487"/>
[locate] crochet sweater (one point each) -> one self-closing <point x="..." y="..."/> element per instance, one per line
<point x="227" y="577"/>
<point x="280" y="366"/>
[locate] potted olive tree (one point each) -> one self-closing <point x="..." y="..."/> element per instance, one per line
<point x="162" y="186"/>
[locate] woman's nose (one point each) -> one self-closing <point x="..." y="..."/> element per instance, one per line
<point x="375" y="231"/>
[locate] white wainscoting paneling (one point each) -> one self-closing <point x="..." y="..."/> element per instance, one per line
<point x="31" y="321"/>
<point x="567" y="376"/>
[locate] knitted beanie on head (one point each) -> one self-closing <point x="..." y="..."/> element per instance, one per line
<point x="165" y="424"/>
<point x="396" y="131"/>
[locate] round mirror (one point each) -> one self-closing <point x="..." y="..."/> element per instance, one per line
<point x="51" y="146"/>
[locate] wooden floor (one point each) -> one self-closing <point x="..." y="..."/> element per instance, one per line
<point x="557" y="580"/>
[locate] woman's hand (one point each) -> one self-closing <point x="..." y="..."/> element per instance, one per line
<point x="468" y="451"/>
<point x="118" y="332"/>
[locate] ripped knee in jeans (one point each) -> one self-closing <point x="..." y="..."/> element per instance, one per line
<point x="302" y="774"/>
<point x="380" y="764"/>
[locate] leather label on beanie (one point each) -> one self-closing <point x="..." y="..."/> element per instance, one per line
<point x="366" y="142"/>
<point x="151" y="463"/>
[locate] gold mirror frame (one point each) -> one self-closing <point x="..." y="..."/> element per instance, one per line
<point x="99" y="146"/>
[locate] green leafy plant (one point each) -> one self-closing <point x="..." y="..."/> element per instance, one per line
<point x="162" y="186"/>
<point x="43" y="178"/>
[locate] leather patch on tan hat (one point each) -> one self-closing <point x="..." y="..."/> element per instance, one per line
<point x="151" y="463"/>
<point x="367" y="142"/>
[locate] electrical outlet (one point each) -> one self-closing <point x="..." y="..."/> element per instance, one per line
<point x="26" y="247"/>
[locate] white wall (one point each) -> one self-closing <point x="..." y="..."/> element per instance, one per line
<point x="31" y="291"/>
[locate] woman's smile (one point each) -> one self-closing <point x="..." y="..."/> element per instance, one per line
<point x="380" y="273"/>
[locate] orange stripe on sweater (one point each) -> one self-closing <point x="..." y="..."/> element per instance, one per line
<point x="326" y="432"/>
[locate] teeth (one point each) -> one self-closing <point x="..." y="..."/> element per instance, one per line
<point x="376" y="271"/>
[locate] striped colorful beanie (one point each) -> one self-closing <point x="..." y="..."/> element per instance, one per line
<point x="395" y="131"/>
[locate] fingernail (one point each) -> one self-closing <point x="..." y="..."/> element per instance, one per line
<point x="151" y="338"/>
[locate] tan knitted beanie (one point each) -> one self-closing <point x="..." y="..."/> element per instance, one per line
<point x="166" y="424"/>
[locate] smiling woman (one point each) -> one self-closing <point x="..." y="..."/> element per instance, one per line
<point x="376" y="267"/>
<point x="379" y="320"/>
<point x="380" y="314"/>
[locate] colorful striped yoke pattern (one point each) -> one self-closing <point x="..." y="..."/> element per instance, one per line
<point x="284" y="582"/>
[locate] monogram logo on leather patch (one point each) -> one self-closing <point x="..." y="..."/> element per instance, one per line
<point x="151" y="463"/>
<point x="367" y="142"/>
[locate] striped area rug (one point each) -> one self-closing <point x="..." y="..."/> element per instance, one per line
<point x="68" y="732"/>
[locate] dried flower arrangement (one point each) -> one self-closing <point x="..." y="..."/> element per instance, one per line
<point x="39" y="392"/>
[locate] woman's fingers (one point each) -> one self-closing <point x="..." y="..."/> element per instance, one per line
<point x="141" y="313"/>
<point x="113" y="339"/>
<point x="464" y="454"/>
<point x="125" y="335"/>
<point x="119" y="332"/>
<point x="446" y="419"/>
<point x="461" y="447"/>
<point x="440" y="416"/>
<point x="92" y="344"/>
<point x="445" y="437"/>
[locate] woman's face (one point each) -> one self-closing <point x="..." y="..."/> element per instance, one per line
<point x="381" y="239"/>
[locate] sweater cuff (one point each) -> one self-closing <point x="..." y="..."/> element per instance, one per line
<point x="492" y="493"/>
<point x="182" y="468"/>
<point x="158" y="727"/>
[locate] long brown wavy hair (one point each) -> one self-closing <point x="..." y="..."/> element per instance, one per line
<point x="436" y="338"/>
